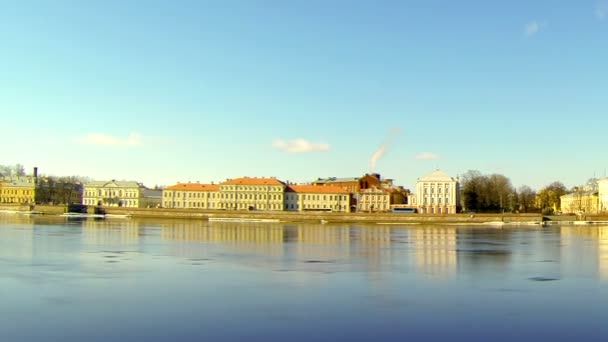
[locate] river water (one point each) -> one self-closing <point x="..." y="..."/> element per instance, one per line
<point x="188" y="280"/>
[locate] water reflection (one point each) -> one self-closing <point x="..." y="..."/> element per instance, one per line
<point x="172" y="280"/>
<point x="436" y="250"/>
<point x="585" y="248"/>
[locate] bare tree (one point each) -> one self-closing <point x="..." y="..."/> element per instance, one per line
<point x="526" y="198"/>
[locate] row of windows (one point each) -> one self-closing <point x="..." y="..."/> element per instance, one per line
<point x="254" y="196"/>
<point x="250" y="188"/>
<point x="226" y="196"/>
<point x="17" y="192"/>
<point x="15" y="200"/>
<point x="439" y="210"/>
<point x="121" y="203"/>
<point x="439" y="190"/>
<point x="374" y="198"/>
<point x="447" y="200"/>
<point x="111" y="193"/>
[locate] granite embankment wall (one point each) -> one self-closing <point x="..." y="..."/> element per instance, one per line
<point x="326" y="216"/>
<point x="316" y="216"/>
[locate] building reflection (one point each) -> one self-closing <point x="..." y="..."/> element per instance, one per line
<point x="373" y="246"/>
<point x="16" y="237"/>
<point x="587" y="248"/>
<point x="322" y="242"/>
<point x="110" y="232"/>
<point x="244" y="238"/>
<point x="436" y="250"/>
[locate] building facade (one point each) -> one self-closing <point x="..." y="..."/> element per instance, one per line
<point x="602" y="188"/>
<point x="252" y="194"/>
<point x="374" y="199"/>
<point x="316" y="198"/>
<point x="191" y="196"/>
<point x="119" y="194"/>
<point x="437" y="193"/>
<point x="580" y="202"/>
<point x="18" y="191"/>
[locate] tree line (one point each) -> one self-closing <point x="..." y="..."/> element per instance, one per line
<point x="494" y="193"/>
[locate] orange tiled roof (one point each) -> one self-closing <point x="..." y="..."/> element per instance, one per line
<point x="318" y="189"/>
<point x="253" y="181"/>
<point x="194" y="187"/>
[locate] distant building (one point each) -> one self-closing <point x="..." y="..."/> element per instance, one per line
<point x="120" y="194"/>
<point x="579" y="202"/>
<point x="316" y="198"/>
<point x="437" y="193"/>
<point x="252" y="194"/>
<point x="374" y="199"/>
<point x="191" y="196"/>
<point x="356" y="184"/>
<point x="18" y="191"/>
<point x="602" y="195"/>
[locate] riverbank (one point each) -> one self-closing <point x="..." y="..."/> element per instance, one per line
<point x="322" y="217"/>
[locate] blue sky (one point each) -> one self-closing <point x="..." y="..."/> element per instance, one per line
<point x="175" y="91"/>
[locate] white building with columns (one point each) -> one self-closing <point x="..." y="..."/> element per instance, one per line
<point x="437" y="193"/>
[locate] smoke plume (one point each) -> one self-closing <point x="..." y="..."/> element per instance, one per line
<point x="383" y="149"/>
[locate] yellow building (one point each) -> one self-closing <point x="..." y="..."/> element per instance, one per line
<point x="316" y="198"/>
<point x="602" y="186"/>
<point x="374" y="199"/>
<point x="252" y="194"/>
<point x="580" y="202"/>
<point x="191" y="196"/>
<point x="120" y="194"/>
<point x="19" y="192"/>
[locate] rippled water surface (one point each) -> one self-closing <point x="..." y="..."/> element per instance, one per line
<point x="182" y="280"/>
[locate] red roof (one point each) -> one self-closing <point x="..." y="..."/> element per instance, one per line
<point x="318" y="189"/>
<point x="194" y="187"/>
<point x="253" y="181"/>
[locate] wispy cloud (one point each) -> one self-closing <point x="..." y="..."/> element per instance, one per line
<point x="299" y="146"/>
<point x="427" y="156"/>
<point x="601" y="10"/>
<point x="134" y="139"/>
<point x="532" y="28"/>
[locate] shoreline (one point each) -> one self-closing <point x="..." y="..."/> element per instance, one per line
<point x="484" y="220"/>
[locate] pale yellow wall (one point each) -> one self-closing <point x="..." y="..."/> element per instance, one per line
<point x="188" y="199"/>
<point x="315" y="201"/>
<point x="603" y="195"/>
<point x="260" y="197"/>
<point x="579" y="203"/>
<point x="129" y="196"/>
<point x="374" y="200"/>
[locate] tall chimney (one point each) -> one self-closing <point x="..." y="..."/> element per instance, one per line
<point x="35" y="171"/>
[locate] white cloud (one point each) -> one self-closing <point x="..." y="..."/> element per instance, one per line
<point x="299" y="146"/>
<point x="427" y="156"/>
<point x="533" y="27"/>
<point x="134" y="139"/>
<point x="601" y="10"/>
